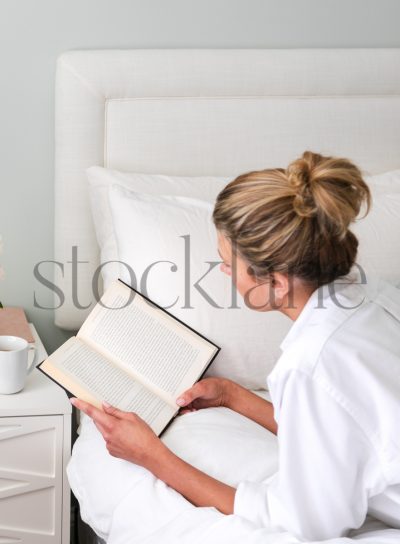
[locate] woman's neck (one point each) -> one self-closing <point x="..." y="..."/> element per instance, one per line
<point x="296" y="300"/>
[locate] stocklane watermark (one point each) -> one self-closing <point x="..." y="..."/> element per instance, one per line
<point x="75" y="270"/>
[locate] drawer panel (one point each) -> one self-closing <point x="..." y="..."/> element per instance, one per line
<point x="31" y="479"/>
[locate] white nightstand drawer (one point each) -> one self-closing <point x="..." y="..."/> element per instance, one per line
<point x="31" y="474"/>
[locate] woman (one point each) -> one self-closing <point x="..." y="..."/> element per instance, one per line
<point x="336" y="387"/>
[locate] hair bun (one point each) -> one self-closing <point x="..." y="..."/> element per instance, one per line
<point x="329" y="188"/>
<point x="300" y="177"/>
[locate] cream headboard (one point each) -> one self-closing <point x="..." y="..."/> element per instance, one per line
<point x="215" y="112"/>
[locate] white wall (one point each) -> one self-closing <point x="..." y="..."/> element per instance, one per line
<point x="34" y="32"/>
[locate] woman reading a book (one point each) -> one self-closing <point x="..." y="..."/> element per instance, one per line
<point x="336" y="386"/>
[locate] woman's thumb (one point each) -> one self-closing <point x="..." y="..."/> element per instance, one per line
<point x="187" y="396"/>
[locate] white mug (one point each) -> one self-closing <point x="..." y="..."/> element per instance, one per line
<point x="14" y="367"/>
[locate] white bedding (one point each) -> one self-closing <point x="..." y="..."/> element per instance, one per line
<point x="125" y="503"/>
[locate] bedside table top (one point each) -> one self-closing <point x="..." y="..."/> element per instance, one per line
<point x="40" y="395"/>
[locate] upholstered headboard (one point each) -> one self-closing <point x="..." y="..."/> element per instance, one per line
<point x="215" y="112"/>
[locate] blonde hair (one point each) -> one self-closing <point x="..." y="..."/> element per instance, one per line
<point x="295" y="221"/>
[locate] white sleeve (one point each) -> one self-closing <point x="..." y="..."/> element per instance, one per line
<point x="326" y="466"/>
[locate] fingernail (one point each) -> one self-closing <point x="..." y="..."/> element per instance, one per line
<point x="180" y="401"/>
<point x="106" y="405"/>
<point x="73" y="401"/>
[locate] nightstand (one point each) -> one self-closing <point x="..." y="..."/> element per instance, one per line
<point x="35" y="446"/>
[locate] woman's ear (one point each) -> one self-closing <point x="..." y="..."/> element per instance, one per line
<point x="280" y="285"/>
<point x="252" y="274"/>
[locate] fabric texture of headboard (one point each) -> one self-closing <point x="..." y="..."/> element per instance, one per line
<point x="207" y="112"/>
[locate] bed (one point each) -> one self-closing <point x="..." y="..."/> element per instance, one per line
<point x="203" y="113"/>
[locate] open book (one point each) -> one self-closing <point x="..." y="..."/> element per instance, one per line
<point x="132" y="354"/>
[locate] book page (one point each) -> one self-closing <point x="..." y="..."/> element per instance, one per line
<point x="91" y="377"/>
<point x="143" y="339"/>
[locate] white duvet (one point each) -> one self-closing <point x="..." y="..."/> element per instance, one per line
<point x="125" y="503"/>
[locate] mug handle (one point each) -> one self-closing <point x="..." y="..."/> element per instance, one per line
<point x="33" y="363"/>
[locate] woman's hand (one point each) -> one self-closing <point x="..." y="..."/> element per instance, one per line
<point x="205" y="394"/>
<point x="127" y="436"/>
<point x="223" y="392"/>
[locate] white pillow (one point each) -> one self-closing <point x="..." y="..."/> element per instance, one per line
<point x="389" y="182"/>
<point x="378" y="250"/>
<point x="378" y="236"/>
<point x="151" y="229"/>
<point x="205" y="188"/>
<point x="224" y="445"/>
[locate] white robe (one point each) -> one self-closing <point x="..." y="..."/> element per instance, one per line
<point x="336" y="395"/>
